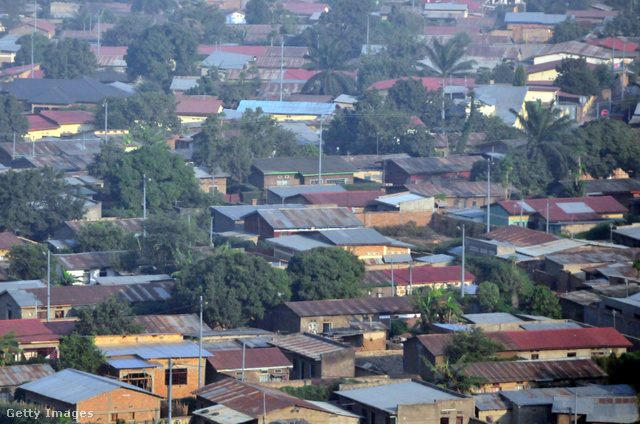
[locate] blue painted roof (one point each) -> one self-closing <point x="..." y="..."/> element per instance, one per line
<point x="288" y="108"/>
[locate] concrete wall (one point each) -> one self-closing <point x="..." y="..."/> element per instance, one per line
<point x="501" y="416"/>
<point x="438" y="412"/>
<point x="384" y="219"/>
<point x="341" y="363"/>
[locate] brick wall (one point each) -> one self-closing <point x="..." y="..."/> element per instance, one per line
<point x="384" y="219"/>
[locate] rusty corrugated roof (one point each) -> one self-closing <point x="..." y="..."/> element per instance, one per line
<point x="130" y="225"/>
<point x="308" y="345"/>
<point x="316" y="218"/>
<point x="520" y="236"/>
<point x="230" y="360"/>
<point x="171" y="324"/>
<point x="8" y="239"/>
<point x="454" y="188"/>
<point x="365" y="306"/>
<point x="87" y="260"/>
<point x="436" y="165"/>
<point x="529" y="371"/>
<point x="16" y="375"/>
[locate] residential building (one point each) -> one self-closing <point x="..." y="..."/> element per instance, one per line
<point x="36" y="338"/>
<point x="9" y="48"/>
<point x="428" y="169"/>
<point x="627" y="235"/>
<point x="259" y="365"/>
<point x="233" y="16"/>
<point x="313" y="356"/>
<point x="572" y="50"/>
<point x="320" y="316"/>
<point x="408" y="401"/>
<point x="404" y="202"/>
<point x="533" y="27"/>
<point x="143" y="361"/>
<point x="87" y="266"/>
<point x="15" y="375"/>
<point x="289" y="111"/>
<point x="518" y="375"/>
<point x="282" y="195"/>
<point x="225" y="60"/>
<point x="211" y="182"/>
<point x="195" y="109"/>
<point x="7" y="241"/>
<point x="269" y="223"/>
<point x="460" y="194"/>
<point x="623" y="190"/>
<point x="171" y="324"/>
<point x="232" y="218"/>
<point x="369" y="167"/>
<point x="563" y="215"/>
<point x="276" y="172"/>
<point x="404" y="280"/>
<point x="65" y="300"/>
<point x="445" y="10"/>
<point x="42" y="27"/>
<point x="499" y="99"/>
<point x="356" y="201"/>
<point x="241" y="402"/>
<point x="89" y="398"/>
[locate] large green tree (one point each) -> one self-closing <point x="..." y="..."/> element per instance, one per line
<point x="127" y="30"/>
<point x="111" y="316"/>
<point x="80" y="353"/>
<point x="575" y="77"/>
<point x="258" y="12"/>
<point x="168" y="241"/>
<point x="161" y="52"/>
<point x="470" y="346"/>
<point x="12" y="119"/>
<point x="488" y="296"/>
<point x="236" y="287"/>
<point x="35" y="201"/>
<point x="103" y="236"/>
<point x="11" y="12"/>
<point x="205" y="21"/>
<point x="27" y="262"/>
<point x="152" y="7"/>
<point x="544" y="302"/>
<point x="40" y="45"/>
<point x="436" y="306"/>
<point x="447" y="59"/>
<point x="567" y="30"/>
<point x="69" y="58"/>
<point x="325" y="273"/>
<point x="329" y="58"/>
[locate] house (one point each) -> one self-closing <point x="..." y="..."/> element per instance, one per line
<point x="518" y="375"/>
<point x="404" y="202"/>
<point x="235" y="402"/>
<point x="42" y="27"/>
<point x="320" y="316"/>
<point x="211" y="182"/>
<point x="532" y="27"/>
<point x="287" y="195"/>
<point x="143" y="361"/>
<point x="9" y="48"/>
<point x="225" y="60"/>
<point x="313" y="356"/>
<point x="356" y="201"/>
<point x="592" y="16"/>
<point x="562" y="215"/>
<point x="498" y="100"/>
<point x="7" y="241"/>
<point x="626" y="235"/>
<point x="232" y="218"/>
<point x="259" y="365"/>
<point x="64" y="300"/>
<point x="112" y="58"/>
<point x="87" y="266"/>
<point x="53" y="123"/>
<point x="493" y="408"/>
<point x="403" y="281"/>
<point x="449" y="85"/>
<point x="35" y="338"/>
<point x="460" y="194"/>
<point x="170" y="324"/>
<point x="623" y="313"/>
<point x="37" y="94"/>
<point x="281" y="171"/>
<point x="624" y="190"/>
<point x="572" y="50"/>
<point x="269" y="223"/>
<point x="233" y="16"/>
<point x="408" y="401"/>
<point x="191" y="109"/>
<point x="402" y="171"/>
<point x="445" y="10"/>
<point x="535" y="344"/>
<point x="15" y="375"/>
<point x="370" y="167"/>
<point x="366" y="243"/>
<point x="289" y="111"/>
<point x="89" y="398"/>
<point x="24" y="71"/>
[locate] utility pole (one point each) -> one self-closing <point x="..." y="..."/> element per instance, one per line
<point x="368" y="33"/>
<point x="144" y="204"/>
<point x="35" y="30"/>
<point x="462" y="280"/>
<point x="99" y="15"/>
<point x="244" y="346"/>
<point x="48" y="285"/>
<point x="624" y="57"/>
<point x="613" y="74"/>
<point x="320" y="153"/>
<point x="442" y="100"/>
<point x="410" y="277"/>
<point x="489" y="194"/>
<point x="170" y="409"/>
<point x="211" y="232"/>
<point x="106" y="115"/>
<point x="281" y="65"/>
<point x="393" y="290"/>
<point x="200" y="348"/>
<point x="547" y="216"/>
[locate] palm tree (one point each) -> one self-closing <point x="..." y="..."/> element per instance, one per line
<point x="446" y="59"/>
<point x="455" y="377"/>
<point x="8" y="347"/>
<point x="435" y="306"/>
<point x="540" y="123"/>
<point x="331" y="60"/>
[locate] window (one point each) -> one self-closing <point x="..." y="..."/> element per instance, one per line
<point x="336" y="181"/>
<point x="103" y="272"/>
<point x="459" y="420"/>
<point x="283" y="182"/>
<point x="264" y="378"/>
<point x="287" y="177"/>
<point x="179" y="377"/>
<point x="315" y="181"/>
<point x="372" y="417"/>
<point x="59" y="314"/>
<point x="474" y="204"/>
<point x="279" y="177"/>
<point x="326" y="327"/>
<point x="571" y="354"/>
<point x="535" y="356"/>
<point x="444" y="420"/>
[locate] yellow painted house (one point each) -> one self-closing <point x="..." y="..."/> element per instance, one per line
<point x="57" y="123"/>
<point x="197" y="108"/>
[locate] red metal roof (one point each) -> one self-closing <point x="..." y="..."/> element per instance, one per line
<point x="380" y="305"/>
<point x="28" y="330"/>
<point x="66" y="117"/>
<point x="298" y="74"/>
<point x="110" y="50"/>
<point x="542" y="371"/>
<point x="429" y="275"/>
<point x="431" y="83"/>
<point x="38" y="123"/>
<point x="590" y="208"/>
<point x="567" y="338"/>
<point x="43" y="25"/>
<point x="520" y="236"/>
<point x="227" y="360"/>
<point x="198" y="105"/>
<point x="8" y="239"/>
<point x="610" y="42"/>
<point x="343" y="198"/>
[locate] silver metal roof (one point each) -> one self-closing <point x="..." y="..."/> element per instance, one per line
<point x="434" y="259"/>
<point x="131" y="279"/>
<point x="73" y="386"/>
<point x="530" y="397"/>
<point x="310" y="218"/>
<point x="183" y="83"/>
<point x="351" y="236"/>
<point x="632" y="232"/>
<point x="23" y="298"/>
<point x="533" y="18"/>
<point x="599" y="409"/>
<point x="285" y="192"/>
<point x="549" y="326"/>
<point x="225" y="60"/>
<point x="334" y="408"/>
<point x="24" y="284"/>
<point x="297" y="242"/>
<point x="288" y="108"/>
<point x="403" y="258"/>
<point x="241" y="211"/>
<point x="132" y="363"/>
<point x="504" y="98"/>
<point x="399" y="198"/>
<point x="222" y="415"/>
<point x="491" y="318"/>
<point x="184" y="349"/>
<point x="389" y="396"/>
<point x="575" y="207"/>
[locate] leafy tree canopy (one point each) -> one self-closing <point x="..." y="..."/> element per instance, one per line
<point x="258" y="12"/>
<point x="329" y="58"/>
<point x="236" y="287"/>
<point x="325" y="273"/>
<point x="152" y="7"/>
<point x="111" y="316"/>
<point x="127" y="30"/>
<point x="205" y="21"/>
<point x="567" y="30"/>
<point x="40" y="45"/>
<point x="470" y="346"/>
<point x="446" y="59"/>
<point x="80" y="353"/>
<point x="436" y="306"/>
<point x="626" y="23"/>
<point x="35" y="201"/>
<point x="27" y="262"/>
<point x="544" y="302"/>
<point x="488" y="296"/>
<point x="12" y="119"/>
<point x="103" y="236"/>
<point x="575" y="77"/>
<point x="69" y="58"/>
<point x="8" y="347"/>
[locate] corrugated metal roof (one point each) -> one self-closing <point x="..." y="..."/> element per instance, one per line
<point x="184" y="349"/>
<point x="171" y="324"/>
<point x="84" y="261"/>
<point x="308" y="345"/>
<point x="314" y="218"/>
<point x="238" y="212"/>
<point x="16" y="375"/>
<point x="224" y="60"/>
<point x="549" y="248"/>
<point x="397" y="199"/>
<point x="595" y="256"/>
<point x="132" y="363"/>
<point x="533" y="18"/>
<point x="388" y="397"/>
<point x="73" y="386"/>
<point x="24" y="284"/>
<point x="536" y="371"/>
<point x="223" y="415"/>
<point x="504" y="98"/>
<point x="130" y="225"/>
<point x="364" y="306"/>
<point x="344" y="198"/>
<point x="453" y="188"/>
<point x="286" y="192"/>
<point x="288" y="108"/>
<point x="633" y="232"/>
<point x="132" y="279"/>
<point x="436" y="165"/>
<point x="491" y="318"/>
<point x="569" y="338"/>
<point x="519" y="236"/>
<point x="530" y="397"/>
<point x="354" y="236"/>
<point x="183" y="83"/>
<point x="298" y="243"/>
<point x="427" y="275"/>
<point x="573" y="48"/>
<point x="231" y="360"/>
<point x="491" y="402"/>
<point x="549" y="326"/>
<point x="303" y="165"/>
<point x="599" y="409"/>
<point x="28" y="330"/>
<point x="436" y="259"/>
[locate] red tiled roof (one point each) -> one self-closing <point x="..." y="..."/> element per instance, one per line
<point x="227" y="360"/>
<point x="542" y="371"/>
<point x="28" y="330"/>
<point x="38" y="123"/>
<point x="303" y="8"/>
<point x="198" y="105"/>
<point x="609" y="42"/>
<point x="429" y="275"/>
<point x="567" y="338"/>
<point x="63" y="117"/>
<point x="595" y="207"/>
<point x="110" y="50"/>
<point x="8" y="239"/>
<point x="431" y="83"/>
<point x="343" y="198"/>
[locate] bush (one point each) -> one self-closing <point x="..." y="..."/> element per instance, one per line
<point x="410" y="229"/>
<point x="310" y="392"/>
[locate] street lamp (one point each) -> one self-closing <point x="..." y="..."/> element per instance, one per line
<point x="106" y="115"/>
